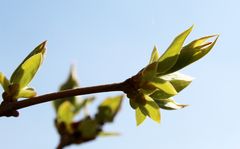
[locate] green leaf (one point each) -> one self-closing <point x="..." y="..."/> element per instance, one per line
<point x="108" y="134"/>
<point x="41" y="48"/>
<point x="27" y="71"/>
<point x="133" y="104"/>
<point x="178" y="80"/>
<point x="203" y="51"/>
<point x="108" y="109"/>
<point x="161" y="88"/>
<point x="28" y="68"/>
<point x="70" y="83"/>
<point x="4" y="82"/>
<point x="151" y="109"/>
<point x="169" y="104"/>
<point x="193" y="52"/>
<point x="140" y="116"/>
<point x="26" y="93"/>
<point x="154" y="56"/>
<point x="169" y="58"/>
<point x="149" y="72"/>
<point x="88" y="128"/>
<point x="65" y="113"/>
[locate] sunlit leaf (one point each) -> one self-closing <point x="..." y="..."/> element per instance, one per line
<point x="164" y="88"/>
<point x="154" y="56"/>
<point x="41" y="48"/>
<point x="65" y="113"/>
<point x="178" y="80"/>
<point x="4" y="82"/>
<point x="108" y="109"/>
<point x="169" y="104"/>
<point x="26" y="93"/>
<point x="193" y="52"/>
<point x="169" y="58"/>
<point x="27" y="71"/>
<point x="151" y="109"/>
<point x="140" y="116"/>
<point x="28" y="68"/>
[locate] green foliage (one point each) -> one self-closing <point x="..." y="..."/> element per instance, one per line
<point x="193" y="52"/>
<point x="89" y="128"/>
<point x="76" y="131"/>
<point x="28" y="68"/>
<point x="170" y="57"/>
<point x="158" y="82"/>
<point x="149" y="109"/>
<point x="4" y="82"/>
<point x="151" y="89"/>
<point x="108" y="109"/>
<point x="65" y="113"/>
<point x="21" y="77"/>
<point x="70" y="83"/>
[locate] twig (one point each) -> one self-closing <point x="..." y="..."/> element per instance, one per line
<point x="9" y="109"/>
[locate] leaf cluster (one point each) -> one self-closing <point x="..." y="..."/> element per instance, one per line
<point x="157" y="83"/>
<point x="17" y="86"/>
<point x="89" y="127"/>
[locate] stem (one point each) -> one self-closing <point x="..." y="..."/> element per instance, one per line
<point x="7" y="108"/>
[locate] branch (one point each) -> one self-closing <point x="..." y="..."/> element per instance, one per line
<point x="9" y="108"/>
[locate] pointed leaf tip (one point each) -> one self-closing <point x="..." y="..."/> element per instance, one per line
<point x="4" y="82"/>
<point x="170" y="56"/>
<point x="193" y="51"/>
<point x="29" y="66"/>
<point x="140" y="116"/>
<point x="154" y="55"/>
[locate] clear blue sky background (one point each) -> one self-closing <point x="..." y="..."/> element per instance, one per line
<point x="110" y="41"/>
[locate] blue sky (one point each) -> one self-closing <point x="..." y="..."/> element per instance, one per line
<point x="110" y="41"/>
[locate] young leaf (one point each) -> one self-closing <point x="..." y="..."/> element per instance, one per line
<point x="193" y="52"/>
<point x="88" y="128"/>
<point x="28" y="68"/>
<point x="132" y="103"/>
<point x="109" y="108"/>
<point x="154" y="56"/>
<point x="149" y="72"/>
<point x="169" y="104"/>
<point x="41" y="48"/>
<point x="27" y="71"/>
<point x="65" y="113"/>
<point x="169" y="58"/>
<point x="151" y="109"/>
<point x="4" y="82"/>
<point x="70" y="83"/>
<point x="162" y="88"/>
<point x="140" y="116"/>
<point x="204" y="50"/>
<point x="26" y="93"/>
<point x="178" y="80"/>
